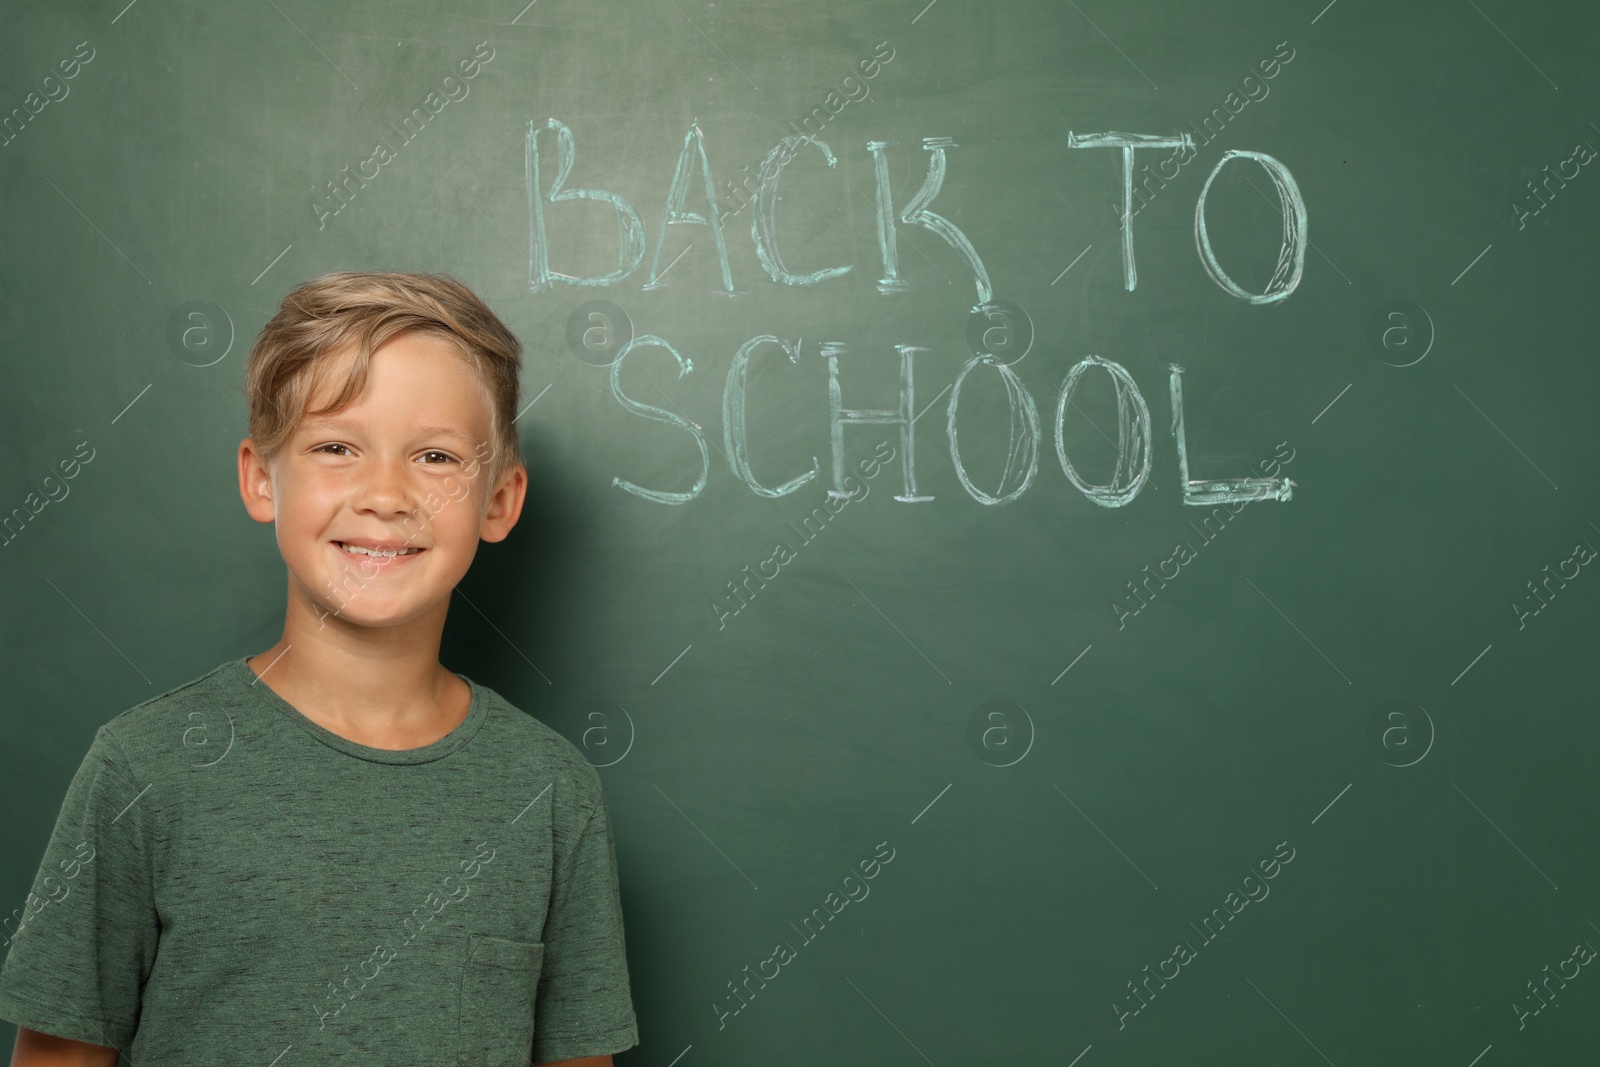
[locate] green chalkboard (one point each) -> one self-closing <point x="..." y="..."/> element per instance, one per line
<point x="1130" y="466"/>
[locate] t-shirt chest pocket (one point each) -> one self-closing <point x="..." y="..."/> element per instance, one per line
<point x="498" y="984"/>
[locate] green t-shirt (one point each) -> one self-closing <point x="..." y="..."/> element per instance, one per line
<point x="229" y="882"/>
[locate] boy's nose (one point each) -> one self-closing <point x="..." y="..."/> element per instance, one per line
<point x="385" y="488"/>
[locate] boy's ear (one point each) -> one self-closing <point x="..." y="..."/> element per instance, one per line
<point x="505" y="504"/>
<point x="255" y="483"/>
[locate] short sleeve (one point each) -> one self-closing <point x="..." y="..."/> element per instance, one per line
<point x="584" y="1006"/>
<point x="82" y="945"/>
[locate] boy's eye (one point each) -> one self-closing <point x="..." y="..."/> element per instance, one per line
<point x="324" y="448"/>
<point x="443" y="456"/>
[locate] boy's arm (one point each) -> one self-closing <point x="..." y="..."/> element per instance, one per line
<point x="34" y="1049"/>
<point x="583" y="1002"/>
<point x="79" y="957"/>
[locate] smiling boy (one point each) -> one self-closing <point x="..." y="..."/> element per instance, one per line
<point x="338" y="849"/>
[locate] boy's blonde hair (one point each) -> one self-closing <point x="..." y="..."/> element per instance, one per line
<point x="321" y="318"/>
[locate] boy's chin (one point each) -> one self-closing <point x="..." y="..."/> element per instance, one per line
<point x="374" y="618"/>
<point x="375" y="611"/>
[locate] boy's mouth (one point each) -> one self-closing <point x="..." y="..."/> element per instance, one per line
<point x="378" y="550"/>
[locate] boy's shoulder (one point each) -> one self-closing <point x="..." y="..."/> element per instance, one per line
<point x="181" y="714"/>
<point x="531" y="739"/>
<point x="201" y="718"/>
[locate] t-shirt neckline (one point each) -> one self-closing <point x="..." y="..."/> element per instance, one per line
<point x="246" y="677"/>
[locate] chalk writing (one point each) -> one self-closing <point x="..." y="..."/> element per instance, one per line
<point x="631" y="235"/>
<point x="1133" y="437"/>
<point x="650" y="411"/>
<point x="1291" y="253"/>
<point x="1129" y="143"/>
<point x="735" y="437"/>
<point x="764" y="225"/>
<point x="840" y="416"/>
<point x="916" y="213"/>
<point x="694" y="150"/>
<point x="1023" y="449"/>
<point x="630" y="230"/>
<point x="1134" y="434"/>
<point x="1221" y="490"/>
<point x="1134" y="453"/>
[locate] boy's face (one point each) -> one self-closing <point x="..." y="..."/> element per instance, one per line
<point x="403" y="467"/>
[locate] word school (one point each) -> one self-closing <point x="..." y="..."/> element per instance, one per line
<point x="1131" y="472"/>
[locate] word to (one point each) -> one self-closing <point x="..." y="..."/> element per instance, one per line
<point x="1581" y="554"/>
<point x="784" y="953"/>
<point x="1184" y="953"/>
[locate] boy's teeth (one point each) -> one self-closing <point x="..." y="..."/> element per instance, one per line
<point x="376" y="552"/>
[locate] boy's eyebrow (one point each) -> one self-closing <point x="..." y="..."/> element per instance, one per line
<point x="445" y="431"/>
<point x="327" y="423"/>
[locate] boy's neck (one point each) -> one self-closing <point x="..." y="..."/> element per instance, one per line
<point x="384" y="688"/>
